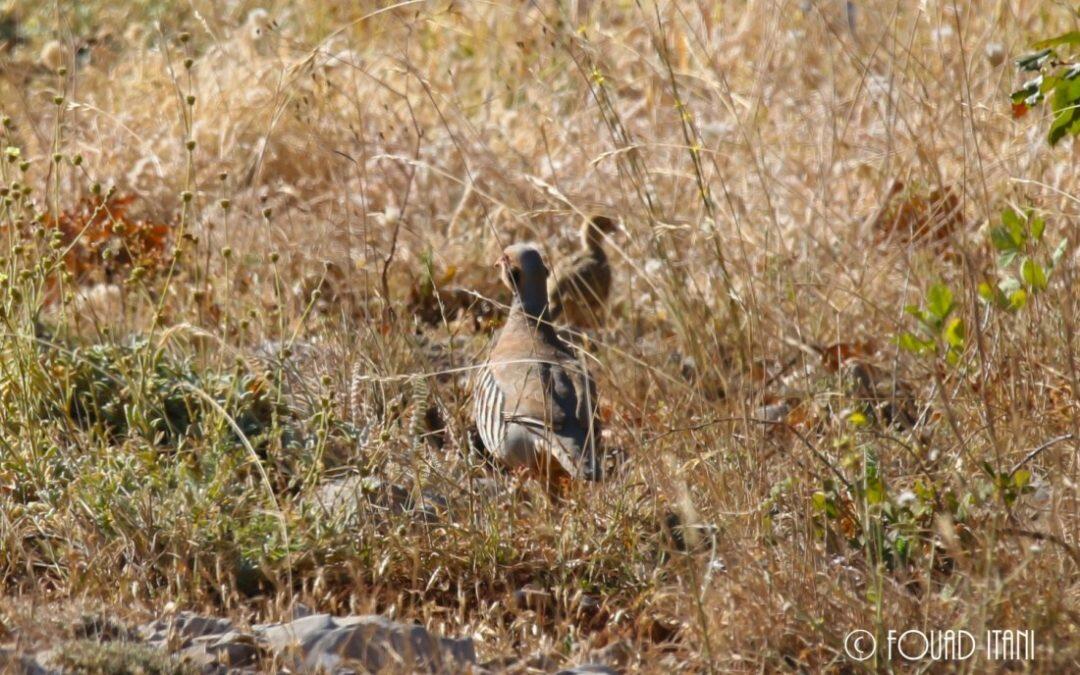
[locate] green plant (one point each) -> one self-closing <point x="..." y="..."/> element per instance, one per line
<point x="939" y="330"/>
<point x="1024" y="266"/>
<point x="1057" y="79"/>
<point x="118" y="658"/>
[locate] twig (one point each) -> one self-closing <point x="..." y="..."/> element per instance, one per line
<point x="1045" y="536"/>
<point x="1035" y="453"/>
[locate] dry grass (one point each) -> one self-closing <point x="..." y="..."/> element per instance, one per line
<point x="749" y="373"/>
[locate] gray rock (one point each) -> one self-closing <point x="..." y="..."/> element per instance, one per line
<point x="350" y="496"/>
<point x="615" y="655"/>
<point x="234" y="649"/>
<point x="375" y="642"/>
<point x="297" y="634"/>
<point x="183" y="628"/>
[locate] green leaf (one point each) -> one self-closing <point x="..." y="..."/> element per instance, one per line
<point x="1033" y="275"/>
<point x="939" y="301"/>
<point x="857" y="419"/>
<point x="1021" y="478"/>
<point x="955" y="333"/>
<point x="1034" y="61"/>
<point x="875" y="490"/>
<point x="1065" y="104"/>
<point x="1060" y="127"/>
<point x="1031" y="94"/>
<point x="910" y="342"/>
<point x="1072" y="39"/>
<point x="823" y="504"/>
<point x="993" y="295"/>
<point x="902" y="546"/>
<point x="1017" y="299"/>
<point x="1012" y="219"/>
<point x="1038" y="226"/>
<point x="1014" y="226"/>
<point x="922" y="315"/>
<point x="1066" y="94"/>
<point x="1007" y="258"/>
<point x="1002" y="239"/>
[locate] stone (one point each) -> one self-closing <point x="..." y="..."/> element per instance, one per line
<point x="375" y="642"/>
<point x="615" y="655"/>
<point x="352" y="496"/>
<point x="183" y="628"/>
<point x="234" y="649"/>
<point x="297" y="633"/>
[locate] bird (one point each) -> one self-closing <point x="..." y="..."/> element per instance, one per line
<point x="580" y="292"/>
<point x="535" y="404"/>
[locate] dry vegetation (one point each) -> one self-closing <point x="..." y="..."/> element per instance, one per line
<point x="214" y="216"/>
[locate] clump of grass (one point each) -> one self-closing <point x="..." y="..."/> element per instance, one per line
<point x="117" y="658"/>
<point x="124" y="389"/>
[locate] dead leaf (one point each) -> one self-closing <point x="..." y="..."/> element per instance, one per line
<point x="911" y="216"/>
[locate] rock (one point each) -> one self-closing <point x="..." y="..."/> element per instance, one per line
<point x="513" y="665"/>
<point x="183" y="628"/>
<point x="296" y="634"/>
<point x="310" y="643"/>
<point x="196" y="655"/>
<point x="352" y="495"/>
<point x="773" y="412"/>
<point x="375" y="642"/>
<point x="531" y="597"/>
<point x="615" y="655"/>
<point x="101" y="628"/>
<point x="234" y="649"/>
<point x="588" y="668"/>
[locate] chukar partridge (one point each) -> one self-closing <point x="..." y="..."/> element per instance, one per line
<point x="534" y="402"/>
<point x="580" y="292"/>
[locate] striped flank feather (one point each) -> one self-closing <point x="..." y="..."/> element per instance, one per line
<point x="488" y="411"/>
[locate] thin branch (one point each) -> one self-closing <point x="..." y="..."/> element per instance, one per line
<point x="1037" y="451"/>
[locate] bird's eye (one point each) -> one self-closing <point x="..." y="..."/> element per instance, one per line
<point x="515" y="276"/>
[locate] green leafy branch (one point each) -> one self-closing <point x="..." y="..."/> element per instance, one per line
<point x="939" y="331"/>
<point x="1020" y="246"/>
<point x="1057" y="80"/>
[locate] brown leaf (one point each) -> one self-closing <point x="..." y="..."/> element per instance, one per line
<point x="919" y="216"/>
<point x="833" y="356"/>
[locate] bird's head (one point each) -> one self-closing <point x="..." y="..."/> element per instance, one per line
<point x="522" y="269"/>
<point x="594" y="229"/>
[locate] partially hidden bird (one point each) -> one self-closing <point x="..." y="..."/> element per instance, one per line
<point x="535" y="404"/>
<point x="579" y="292"/>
